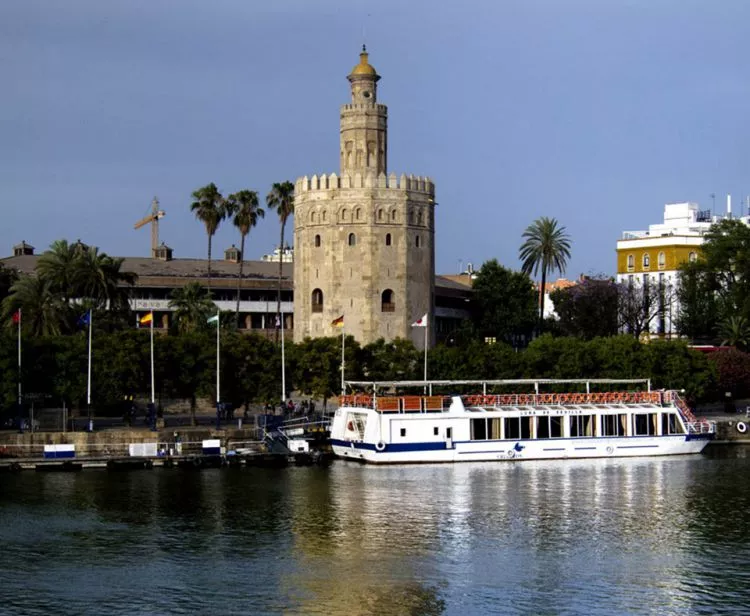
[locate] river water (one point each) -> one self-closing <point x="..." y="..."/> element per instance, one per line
<point x="638" y="536"/>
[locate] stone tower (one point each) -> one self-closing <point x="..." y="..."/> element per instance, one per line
<point x="363" y="240"/>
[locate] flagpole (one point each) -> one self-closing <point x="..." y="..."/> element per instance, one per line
<point x="88" y="384"/>
<point x="153" y="386"/>
<point x="283" y="365"/>
<point x="20" y="394"/>
<point x="343" y="331"/>
<point x="218" y="363"/>
<point x="426" y="325"/>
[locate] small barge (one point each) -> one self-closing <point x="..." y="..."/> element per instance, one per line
<point x="541" y="425"/>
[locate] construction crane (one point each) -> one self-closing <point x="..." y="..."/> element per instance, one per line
<point x="152" y="218"/>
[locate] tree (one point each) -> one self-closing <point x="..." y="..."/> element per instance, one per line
<point x="58" y="267"/>
<point x="547" y="248"/>
<point x="716" y="286"/>
<point x="43" y="312"/>
<point x="99" y="278"/>
<point x="281" y="199"/>
<point x="638" y="305"/>
<point x="192" y="305"/>
<point x="209" y="209"/>
<point x="587" y="309"/>
<point x="735" y="331"/>
<point x="8" y="277"/>
<point x="504" y="304"/>
<point x="243" y="206"/>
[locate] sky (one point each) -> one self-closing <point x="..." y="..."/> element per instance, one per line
<point x="594" y="113"/>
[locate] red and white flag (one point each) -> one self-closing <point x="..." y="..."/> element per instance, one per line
<point x="420" y="322"/>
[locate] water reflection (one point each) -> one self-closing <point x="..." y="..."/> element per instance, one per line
<point x="596" y="537"/>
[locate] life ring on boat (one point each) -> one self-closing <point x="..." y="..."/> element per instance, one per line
<point x="380" y="446"/>
<point x="511" y="453"/>
<point x="610" y="449"/>
<point x="741" y="427"/>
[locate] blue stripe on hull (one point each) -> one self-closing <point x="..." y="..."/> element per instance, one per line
<point x="392" y="447"/>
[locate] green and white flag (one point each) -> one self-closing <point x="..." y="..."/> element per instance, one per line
<point x="213" y="319"/>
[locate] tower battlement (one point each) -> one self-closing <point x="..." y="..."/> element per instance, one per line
<point x="383" y="109"/>
<point x="412" y="183"/>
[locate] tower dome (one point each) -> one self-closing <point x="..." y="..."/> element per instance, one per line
<point x="364" y="68"/>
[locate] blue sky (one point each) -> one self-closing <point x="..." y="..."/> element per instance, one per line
<point x="593" y="112"/>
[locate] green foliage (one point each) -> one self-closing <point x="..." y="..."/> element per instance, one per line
<point x="396" y="360"/>
<point x="317" y="365"/>
<point x="281" y="200"/>
<point x="209" y="207"/>
<point x="192" y="305"/>
<point x="504" y="303"/>
<point x="588" y="309"/>
<point x="716" y="287"/>
<point x="546" y="248"/>
<point x="8" y="277"/>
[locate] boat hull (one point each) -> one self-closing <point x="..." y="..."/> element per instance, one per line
<point x="519" y="450"/>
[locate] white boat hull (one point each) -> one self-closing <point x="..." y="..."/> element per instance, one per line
<point x="518" y="450"/>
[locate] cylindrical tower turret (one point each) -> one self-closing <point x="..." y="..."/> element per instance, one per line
<point x="364" y="124"/>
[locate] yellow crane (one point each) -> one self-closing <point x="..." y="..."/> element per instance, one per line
<point x="152" y="218"/>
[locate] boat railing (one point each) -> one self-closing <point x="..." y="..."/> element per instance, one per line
<point x="702" y="426"/>
<point x="423" y="404"/>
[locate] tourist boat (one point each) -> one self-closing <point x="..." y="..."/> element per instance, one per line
<point x="519" y="426"/>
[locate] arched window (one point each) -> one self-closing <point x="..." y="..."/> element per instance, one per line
<point x="393" y="216"/>
<point x="386" y="301"/>
<point x="343" y="214"/>
<point x="317" y="241"/>
<point x="387" y="239"/>
<point x="418" y="241"/>
<point x="661" y="260"/>
<point x="631" y="263"/>
<point x="380" y="215"/>
<point x="317" y="300"/>
<point x="352" y="239"/>
<point x="324" y="216"/>
<point x="693" y="257"/>
<point x="646" y="261"/>
<point x="359" y="213"/>
<point x="419" y="217"/>
<point x="313" y="217"/>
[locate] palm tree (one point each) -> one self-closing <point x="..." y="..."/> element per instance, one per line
<point x="44" y="314"/>
<point x="547" y="248"/>
<point x="735" y="331"/>
<point x="281" y="199"/>
<point x="192" y="305"/>
<point x="243" y="205"/>
<point x="209" y="209"/>
<point x="57" y="267"/>
<point x="98" y="278"/>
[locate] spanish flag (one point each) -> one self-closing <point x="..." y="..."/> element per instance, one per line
<point x="147" y="319"/>
<point x="338" y="322"/>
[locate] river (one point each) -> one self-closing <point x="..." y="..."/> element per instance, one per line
<point x="637" y="536"/>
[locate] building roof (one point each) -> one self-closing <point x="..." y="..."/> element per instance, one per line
<point x="364" y="67"/>
<point x="146" y="267"/>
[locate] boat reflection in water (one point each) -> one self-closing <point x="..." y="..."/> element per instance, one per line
<point x="600" y="536"/>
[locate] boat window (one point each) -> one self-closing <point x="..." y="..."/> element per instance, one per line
<point x="479" y="429"/>
<point x="403" y="431"/>
<point x="542" y="427"/>
<point x="670" y="425"/>
<point x="555" y="427"/>
<point x="512" y="427"/>
<point x="610" y="425"/>
<point x="644" y="424"/>
<point x="495" y="425"/>
<point x="526" y="427"/>
<point x="435" y="430"/>
<point x="582" y="425"/>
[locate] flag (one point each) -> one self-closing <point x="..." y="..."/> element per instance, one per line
<point x="147" y="319"/>
<point x="420" y="322"/>
<point x="338" y="322"/>
<point x="84" y="319"/>
<point x="213" y="319"/>
<point x="17" y="316"/>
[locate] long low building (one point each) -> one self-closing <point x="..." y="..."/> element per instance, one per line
<point x="159" y="276"/>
